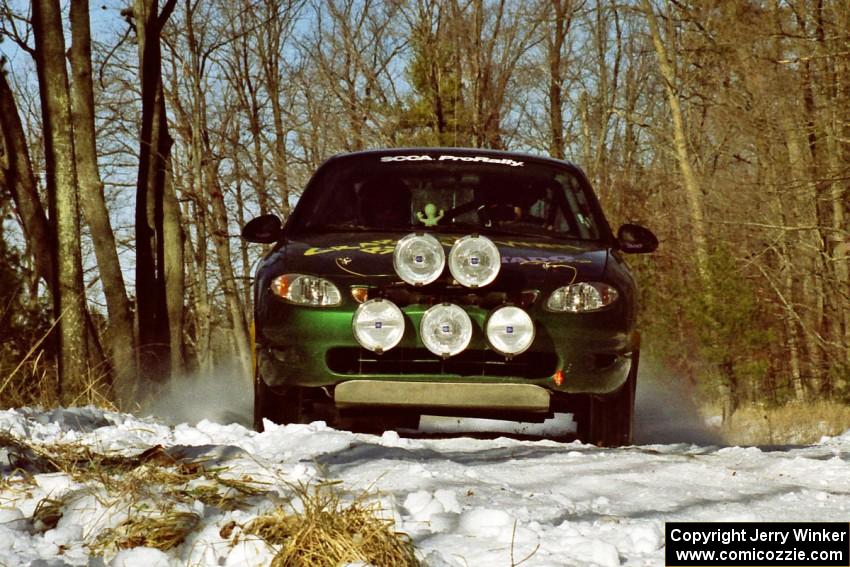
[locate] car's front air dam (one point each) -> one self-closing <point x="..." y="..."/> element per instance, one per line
<point x="386" y="393"/>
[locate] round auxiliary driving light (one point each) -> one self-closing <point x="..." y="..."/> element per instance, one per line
<point x="419" y="259"/>
<point x="510" y="330"/>
<point x="378" y="325"/>
<point x="445" y="329"/>
<point x="474" y="261"/>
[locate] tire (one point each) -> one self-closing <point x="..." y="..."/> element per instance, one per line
<point x="609" y="420"/>
<point x="280" y="406"/>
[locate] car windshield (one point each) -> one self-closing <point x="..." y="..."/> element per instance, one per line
<point x="448" y="192"/>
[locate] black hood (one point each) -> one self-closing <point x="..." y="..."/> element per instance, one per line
<point x="367" y="257"/>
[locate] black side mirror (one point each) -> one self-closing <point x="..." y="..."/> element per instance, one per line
<point x="264" y="229"/>
<point x="635" y="239"/>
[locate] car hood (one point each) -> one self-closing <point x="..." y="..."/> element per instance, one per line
<point x="527" y="261"/>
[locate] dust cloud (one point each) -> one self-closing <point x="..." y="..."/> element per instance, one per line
<point x="225" y="396"/>
<point x="665" y="410"/>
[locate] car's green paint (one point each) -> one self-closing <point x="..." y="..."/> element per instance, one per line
<point x="294" y="342"/>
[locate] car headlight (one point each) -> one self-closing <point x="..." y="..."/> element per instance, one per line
<point x="474" y="261"/>
<point x="419" y="259"/>
<point x="445" y="329"/>
<point x="378" y="325"/>
<point x="510" y="330"/>
<point x="582" y="297"/>
<point x="306" y="290"/>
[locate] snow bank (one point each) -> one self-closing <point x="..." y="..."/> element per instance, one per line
<point x="463" y="501"/>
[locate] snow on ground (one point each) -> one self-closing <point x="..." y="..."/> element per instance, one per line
<point x="464" y="501"/>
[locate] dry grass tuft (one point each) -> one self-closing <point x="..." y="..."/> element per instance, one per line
<point x="163" y="532"/>
<point x="275" y="527"/>
<point x="159" y="489"/>
<point x="47" y="514"/>
<point x="795" y="424"/>
<point x="244" y="486"/>
<point x="33" y="381"/>
<point x="330" y="533"/>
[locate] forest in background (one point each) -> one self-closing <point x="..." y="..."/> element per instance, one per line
<point x="138" y="138"/>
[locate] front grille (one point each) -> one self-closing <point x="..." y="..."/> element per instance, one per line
<point x="404" y="296"/>
<point x="401" y="361"/>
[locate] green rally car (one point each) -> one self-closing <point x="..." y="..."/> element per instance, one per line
<point x="451" y="282"/>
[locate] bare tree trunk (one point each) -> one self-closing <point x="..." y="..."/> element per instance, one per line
<point x="608" y="89"/>
<point x="821" y="195"/>
<point x="693" y="195"/>
<point x="247" y="292"/>
<point x="785" y="216"/>
<point x="555" y="39"/>
<point x="838" y="235"/>
<point x="792" y="334"/>
<point x="806" y="264"/>
<point x="18" y="177"/>
<point x="271" y="60"/>
<point x="818" y="90"/>
<point x="21" y="181"/>
<point x="69" y="293"/>
<point x="175" y="282"/>
<point x="255" y="126"/>
<point x="198" y="275"/>
<point x="120" y="335"/>
<point x="729" y="387"/>
<point x="154" y="148"/>
<point x="231" y="295"/>
<point x="584" y="112"/>
<point x="831" y="116"/>
<point x="208" y="183"/>
<point x="239" y="70"/>
<point x="280" y="153"/>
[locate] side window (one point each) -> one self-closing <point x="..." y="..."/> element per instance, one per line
<point x="541" y="207"/>
<point x="335" y="205"/>
<point x="584" y="214"/>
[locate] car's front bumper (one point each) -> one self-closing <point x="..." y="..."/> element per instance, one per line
<point x="315" y="347"/>
<point x="442" y="395"/>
